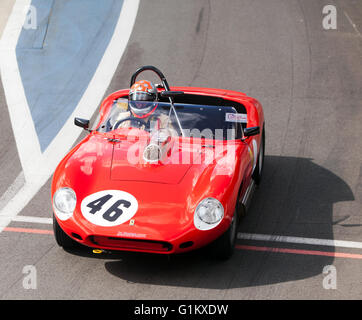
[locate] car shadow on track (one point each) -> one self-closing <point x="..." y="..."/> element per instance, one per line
<point x="295" y="198"/>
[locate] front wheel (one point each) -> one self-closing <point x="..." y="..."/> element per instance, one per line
<point x="258" y="171"/>
<point x="223" y="247"/>
<point x="61" y="237"/>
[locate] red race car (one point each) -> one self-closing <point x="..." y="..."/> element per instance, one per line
<point x="163" y="170"/>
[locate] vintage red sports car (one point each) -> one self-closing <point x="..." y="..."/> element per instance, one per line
<point x="170" y="182"/>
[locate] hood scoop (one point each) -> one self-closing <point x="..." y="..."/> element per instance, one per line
<point x="152" y="153"/>
<point x="158" y="147"/>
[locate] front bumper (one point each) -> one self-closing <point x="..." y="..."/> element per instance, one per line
<point x="160" y="240"/>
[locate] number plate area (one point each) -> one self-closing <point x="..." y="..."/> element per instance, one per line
<point x="109" y="208"/>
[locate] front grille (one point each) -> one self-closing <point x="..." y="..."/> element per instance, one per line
<point x="131" y="244"/>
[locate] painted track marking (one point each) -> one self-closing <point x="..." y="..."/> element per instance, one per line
<point x="38" y="166"/>
<point x="300" y="240"/>
<point x="28" y="219"/>
<point x="12" y="190"/>
<point x="352" y="24"/>
<point x="241" y="236"/>
<point x="302" y="252"/>
<point x="27" y="230"/>
<point x="238" y="246"/>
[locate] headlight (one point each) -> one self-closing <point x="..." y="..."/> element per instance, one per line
<point x="64" y="202"/>
<point x="208" y="214"/>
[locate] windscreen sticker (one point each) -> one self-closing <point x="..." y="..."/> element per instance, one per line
<point x="109" y="208"/>
<point x="236" y="117"/>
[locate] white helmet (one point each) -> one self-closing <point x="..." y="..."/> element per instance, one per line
<point x="142" y="98"/>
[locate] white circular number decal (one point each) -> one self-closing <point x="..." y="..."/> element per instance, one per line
<point x="109" y="208"/>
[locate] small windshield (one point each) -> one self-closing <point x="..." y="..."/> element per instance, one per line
<point x="214" y="122"/>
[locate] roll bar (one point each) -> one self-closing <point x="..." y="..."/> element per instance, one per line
<point x="167" y="92"/>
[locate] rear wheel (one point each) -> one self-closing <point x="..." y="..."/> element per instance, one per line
<point x="223" y="247"/>
<point x="258" y="171"/>
<point x="61" y="237"/>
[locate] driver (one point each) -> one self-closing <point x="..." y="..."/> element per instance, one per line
<point x="142" y="103"/>
<point x="143" y="99"/>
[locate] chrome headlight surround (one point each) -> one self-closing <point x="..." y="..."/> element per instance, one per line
<point x="64" y="202"/>
<point x="208" y="214"/>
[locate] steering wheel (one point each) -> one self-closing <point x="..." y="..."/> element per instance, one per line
<point x="132" y="119"/>
<point x="155" y="70"/>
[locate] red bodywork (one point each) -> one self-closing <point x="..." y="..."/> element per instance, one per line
<point x="167" y="194"/>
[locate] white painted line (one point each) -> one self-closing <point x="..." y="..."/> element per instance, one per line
<point x="40" y="220"/>
<point x="37" y="166"/>
<point x="12" y="190"/>
<point x="33" y="219"/>
<point x="27" y="219"/>
<point x="16" y="204"/>
<point x="300" y="240"/>
<point x="352" y="24"/>
<point x="21" y="119"/>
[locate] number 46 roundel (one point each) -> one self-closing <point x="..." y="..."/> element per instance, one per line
<point x="109" y="208"/>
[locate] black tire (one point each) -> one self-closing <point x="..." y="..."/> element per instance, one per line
<point x="223" y="247"/>
<point x="61" y="237"/>
<point x="258" y="171"/>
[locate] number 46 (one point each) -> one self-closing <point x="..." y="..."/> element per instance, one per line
<point x="114" y="212"/>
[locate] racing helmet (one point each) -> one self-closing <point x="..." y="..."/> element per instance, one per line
<point x="142" y="98"/>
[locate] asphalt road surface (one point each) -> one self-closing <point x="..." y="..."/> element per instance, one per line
<point x="309" y="81"/>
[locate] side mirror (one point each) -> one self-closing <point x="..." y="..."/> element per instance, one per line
<point x="252" y="131"/>
<point x="83" y="123"/>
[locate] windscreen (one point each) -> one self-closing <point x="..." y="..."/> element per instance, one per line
<point x="189" y="120"/>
